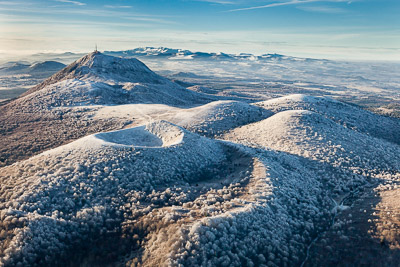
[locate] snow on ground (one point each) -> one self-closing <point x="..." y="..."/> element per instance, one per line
<point x="260" y="77"/>
<point x="164" y="192"/>
<point x="194" y="202"/>
<point x="95" y="79"/>
<point x="102" y="79"/>
<point x="317" y="77"/>
<point x="158" y="193"/>
<point x="216" y="117"/>
<point x="61" y="196"/>
<point x="209" y="119"/>
<point x="349" y="116"/>
<point x="136" y="137"/>
<point x="284" y="207"/>
<point x="315" y="137"/>
<point x="220" y="116"/>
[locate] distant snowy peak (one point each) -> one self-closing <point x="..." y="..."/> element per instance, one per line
<point x="153" y="51"/>
<point x="164" y="52"/>
<point x="187" y="54"/>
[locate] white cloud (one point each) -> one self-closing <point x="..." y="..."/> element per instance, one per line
<point x="112" y="6"/>
<point x="35" y="13"/>
<point x="71" y="2"/>
<point x="323" y="9"/>
<point x="285" y="3"/>
<point x="219" y="2"/>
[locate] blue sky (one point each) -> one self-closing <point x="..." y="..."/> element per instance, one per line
<point x="351" y="29"/>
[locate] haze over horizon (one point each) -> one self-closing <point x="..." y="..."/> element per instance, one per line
<point x="333" y="29"/>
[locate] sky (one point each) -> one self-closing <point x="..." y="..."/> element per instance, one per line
<point x="333" y="29"/>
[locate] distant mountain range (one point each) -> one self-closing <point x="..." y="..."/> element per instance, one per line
<point x="187" y="54"/>
<point x="35" y="68"/>
<point x="49" y="63"/>
<point x="170" y="53"/>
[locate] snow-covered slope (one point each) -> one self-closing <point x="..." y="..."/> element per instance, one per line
<point x="315" y="137"/>
<point x="101" y="79"/>
<point x="349" y="116"/>
<point x="210" y="120"/>
<point x="159" y="194"/>
<point x="219" y="116"/>
<point x="95" y="79"/>
<point x="63" y="191"/>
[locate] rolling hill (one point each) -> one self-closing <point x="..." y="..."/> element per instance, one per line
<point x="107" y="163"/>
